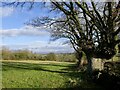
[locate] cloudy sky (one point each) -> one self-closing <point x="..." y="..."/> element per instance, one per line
<point x="16" y="35"/>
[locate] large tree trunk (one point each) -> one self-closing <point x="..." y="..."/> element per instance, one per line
<point x="79" y="57"/>
<point x="89" y="66"/>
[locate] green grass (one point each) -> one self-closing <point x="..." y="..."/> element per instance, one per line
<point x="50" y="75"/>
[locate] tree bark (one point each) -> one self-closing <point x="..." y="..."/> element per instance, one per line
<point x="89" y="66"/>
<point x="79" y="57"/>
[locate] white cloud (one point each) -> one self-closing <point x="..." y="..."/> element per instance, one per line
<point x="43" y="47"/>
<point x="26" y="30"/>
<point x="6" y="11"/>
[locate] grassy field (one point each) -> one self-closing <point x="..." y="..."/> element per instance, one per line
<point x="36" y="74"/>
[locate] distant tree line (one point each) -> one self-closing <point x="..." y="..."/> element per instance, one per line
<point x="29" y="55"/>
<point x="19" y="55"/>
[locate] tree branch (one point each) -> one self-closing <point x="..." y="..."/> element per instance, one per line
<point x="79" y="5"/>
<point x="66" y="12"/>
<point x="101" y="21"/>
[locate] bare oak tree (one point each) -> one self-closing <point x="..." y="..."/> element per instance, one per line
<point x="89" y="27"/>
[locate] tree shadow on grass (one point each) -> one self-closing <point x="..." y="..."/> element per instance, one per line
<point x="39" y="67"/>
<point x="62" y="70"/>
<point x="67" y="71"/>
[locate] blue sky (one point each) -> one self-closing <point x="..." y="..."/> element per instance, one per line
<point x="16" y="35"/>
